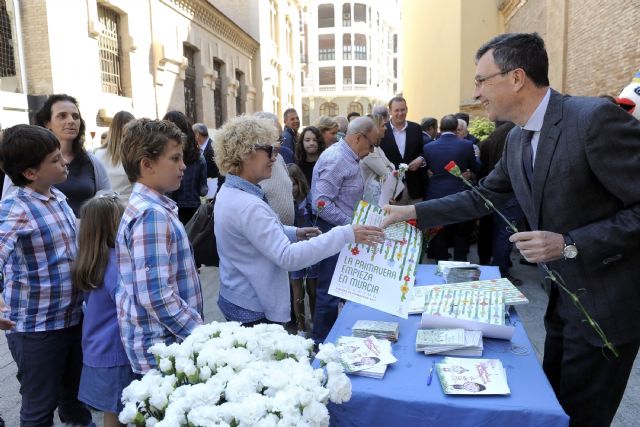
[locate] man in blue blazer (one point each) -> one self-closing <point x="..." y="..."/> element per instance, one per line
<point x="573" y="164"/>
<point x="449" y="147"/>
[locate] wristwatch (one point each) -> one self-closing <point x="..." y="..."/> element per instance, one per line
<point x="570" y="250"/>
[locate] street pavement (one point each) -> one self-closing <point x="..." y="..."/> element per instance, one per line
<point x="531" y="316"/>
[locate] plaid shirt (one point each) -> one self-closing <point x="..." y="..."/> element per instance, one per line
<point x="160" y="298"/>
<point x="37" y="248"/>
<point x="338" y="182"/>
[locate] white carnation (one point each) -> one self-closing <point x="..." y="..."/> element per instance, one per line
<point x="316" y="414"/>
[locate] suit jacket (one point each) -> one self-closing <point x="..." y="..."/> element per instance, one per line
<point x="413" y="149"/>
<point x="212" y="168"/>
<point x="440" y="152"/>
<point x="289" y="137"/>
<point x="585" y="183"/>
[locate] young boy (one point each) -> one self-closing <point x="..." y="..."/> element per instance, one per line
<point x="37" y="248"/>
<point x="160" y="299"/>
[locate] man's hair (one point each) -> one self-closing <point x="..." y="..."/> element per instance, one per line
<point x="352" y="114"/>
<point x="362" y="125"/>
<point x="23" y="147"/>
<point x="463" y="116"/>
<point x="287" y="111"/>
<point x="448" y="123"/>
<point x="396" y="99"/>
<point x="43" y="116"/>
<point x="200" y="129"/>
<point x="519" y="50"/>
<point x="145" y="139"/>
<point x="428" y="122"/>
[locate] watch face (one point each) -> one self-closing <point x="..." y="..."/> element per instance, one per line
<point x="570" y="251"/>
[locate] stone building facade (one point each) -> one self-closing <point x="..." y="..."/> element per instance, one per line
<point x="144" y="57"/>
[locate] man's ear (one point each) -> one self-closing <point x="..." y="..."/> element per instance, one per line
<point x="519" y="77"/>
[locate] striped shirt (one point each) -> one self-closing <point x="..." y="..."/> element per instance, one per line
<point x="337" y="182"/>
<point x="37" y="249"/>
<point x="160" y="298"/>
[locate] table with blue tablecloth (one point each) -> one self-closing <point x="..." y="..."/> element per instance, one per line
<point x="403" y="398"/>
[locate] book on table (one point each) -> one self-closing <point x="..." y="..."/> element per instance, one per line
<point x="383" y="330"/>
<point x="367" y="357"/>
<point x="472" y="376"/>
<point x="453" y="342"/>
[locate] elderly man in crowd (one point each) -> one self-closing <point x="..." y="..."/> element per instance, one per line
<point x="337" y="187"/>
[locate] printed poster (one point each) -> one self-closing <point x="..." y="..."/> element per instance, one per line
<point x="378" y="276"/>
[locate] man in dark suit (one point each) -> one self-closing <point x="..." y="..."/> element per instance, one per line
<point x="402" y="143"/>
<point x="429" y="127"/>
<point x="206" y="147"/>
<point x="291" y="122"/>
<point x="449" y="147"/>
<point x="572" y="163"/>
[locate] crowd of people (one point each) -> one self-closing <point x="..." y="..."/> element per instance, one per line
<point x="97" y="266"/>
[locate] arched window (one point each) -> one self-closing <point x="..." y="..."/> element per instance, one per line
<point x="329" y="109"/>
<point x="325" y="16"/>
<point x="355" y="107"/>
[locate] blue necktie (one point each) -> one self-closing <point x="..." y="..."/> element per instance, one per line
<point x="527" y="154"/>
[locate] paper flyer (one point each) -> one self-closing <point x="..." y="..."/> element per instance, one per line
<point x="378" y="276"/>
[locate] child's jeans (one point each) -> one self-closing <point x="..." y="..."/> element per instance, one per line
<point x="49" y="367"/>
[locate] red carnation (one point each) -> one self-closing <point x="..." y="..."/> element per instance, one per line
<point x="355" y="251"/>
<point x="321" y="204"/>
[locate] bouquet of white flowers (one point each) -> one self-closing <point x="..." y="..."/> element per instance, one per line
<point x="224" y="374"/>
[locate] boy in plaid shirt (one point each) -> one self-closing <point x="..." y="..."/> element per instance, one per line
<point x="37" y="249"/>
<point x="159" y="299"/>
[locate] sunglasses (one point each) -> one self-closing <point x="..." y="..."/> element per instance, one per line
<point x="271" y="151"/>
<point x="112" y="195"/>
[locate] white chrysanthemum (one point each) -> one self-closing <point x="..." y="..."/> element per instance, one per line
<point x="316" y="414"/>
<point x="339" y="388"/>
<point x="165" y="365"/>
<point x="328" y="353"/>
<point x="254" y="408"/>
<point x="128" y="413"/>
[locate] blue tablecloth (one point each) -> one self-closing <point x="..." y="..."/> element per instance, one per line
<point x="403" y="399"/>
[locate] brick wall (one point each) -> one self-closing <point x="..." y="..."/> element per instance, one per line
<point x="36" y="47"/>
<point x="603" y="46"/>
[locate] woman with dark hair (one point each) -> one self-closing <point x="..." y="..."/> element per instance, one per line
<point x="109" y="156"/>
<point x="61" y="115"/>
<point x="308" y="149"/>
<point x="194" y="180"/>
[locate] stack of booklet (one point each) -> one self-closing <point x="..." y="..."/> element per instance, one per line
<point x="384" y="330"/>
<point x="367" y="357"/>
<point x="450" y="342"/>
<point x="465" y="273"/>
<point x="472" y="376"/>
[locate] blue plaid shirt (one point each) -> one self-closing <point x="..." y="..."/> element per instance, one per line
<point x="160" y="298"/>
<point x="37" y="249"/>
<point x="338" y="182"/>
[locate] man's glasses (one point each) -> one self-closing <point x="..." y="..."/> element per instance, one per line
<point x="271" y="151"/>
<point x="479" y="80"/>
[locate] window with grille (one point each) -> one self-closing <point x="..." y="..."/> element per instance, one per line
<point x="7" y="60"/>
<point x="326" y="47"/>
<point x="327" y="75"/>
<point x="356" y="107"/>
<point x="346" y="46"/>
<point x="329" y="109"/>
<point x="110" y="52"/>
<point x="217" y="93"/>
<point x="190" y="84"/>
<point x="360" y="43"/>
<point x="325" y="16"/>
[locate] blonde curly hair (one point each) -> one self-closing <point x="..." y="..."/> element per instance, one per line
<point x="235" y="142"/>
